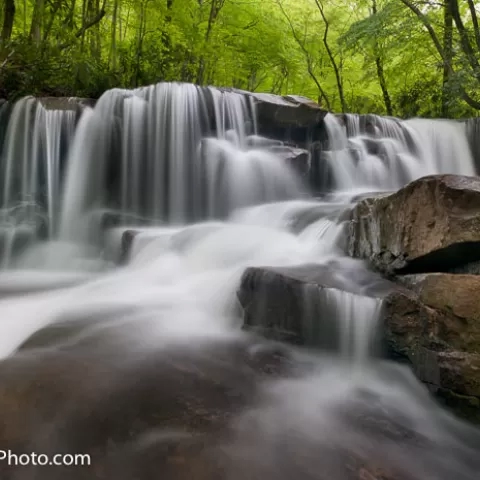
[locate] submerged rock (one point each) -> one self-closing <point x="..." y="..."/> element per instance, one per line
<point x="431" y="225"/>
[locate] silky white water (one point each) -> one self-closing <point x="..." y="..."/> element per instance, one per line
<point x="388" y="153"/>
<point x="206" y="199"/>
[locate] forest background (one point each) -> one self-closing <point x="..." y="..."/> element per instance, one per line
<point x="396" y="57"/>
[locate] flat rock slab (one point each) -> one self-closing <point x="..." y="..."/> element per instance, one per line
<point x="431" y="225"/>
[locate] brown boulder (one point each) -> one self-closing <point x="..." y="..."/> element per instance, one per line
<point x="433" y="224"/>
<point x="457" y="299"/>
<point x="436" y="329"/>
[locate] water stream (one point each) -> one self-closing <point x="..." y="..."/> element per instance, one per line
<point x="185" y="169"/>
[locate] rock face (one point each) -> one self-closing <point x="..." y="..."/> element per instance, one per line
<point x="434" y="327"/>
<point x="431" y="225"/>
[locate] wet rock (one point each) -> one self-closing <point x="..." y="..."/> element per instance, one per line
<point x="297" y="158"/>
<point x="205" y="410"/>
<point x="429" y="332"/>
<point x="282" y="111"/>
<point x="140" y="409"/>
<point x="472" y="127"/>
<point x="66" y="103"/>
<point x="256" y="141"/>
<point x="20" y="283"/>
<point x="431" y="225"/>
<point x="455" y="295"/>
<point x="292" y="304"/>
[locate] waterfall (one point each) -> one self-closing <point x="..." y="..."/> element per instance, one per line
<point x="381" y="153"/>
<point x="32" y="161"/>
<point x="170" y="153"/>
<point x="167" y="234"/>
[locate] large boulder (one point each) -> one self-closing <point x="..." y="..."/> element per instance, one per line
<point x="431" y="225"/>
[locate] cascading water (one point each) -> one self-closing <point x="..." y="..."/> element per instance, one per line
<point x="170" y="153"/>
<point x="377" y="153"/>
<point x="31" y="166"/>
<point x="144" y="365"/>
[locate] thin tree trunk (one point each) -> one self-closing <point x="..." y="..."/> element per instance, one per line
<point x="140" y="42"/>
<point x="51" y="19"/>
<point x="322" y="94"/>
<point x="215" y="8"/>
<point x="448" y="49"/>
<point x="37" y="21"/>
<point x="336" y="70"/>
<point x="380" y="71"/>
<point x="113" y="44"/>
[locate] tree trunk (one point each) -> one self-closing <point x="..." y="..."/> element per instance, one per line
<point x="8" y="18"/>
<point x="448" y="49"/>
<point x="113" y="44"/>
<point x="336" y="70"/>
<point x="215" y="8"/>
<point x="380" y="71"/>
<point x="37" y="21"/>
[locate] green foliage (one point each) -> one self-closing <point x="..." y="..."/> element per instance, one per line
<point x="363" y="55"/>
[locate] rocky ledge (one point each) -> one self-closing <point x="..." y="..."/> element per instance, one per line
<point x="292" y="117"/>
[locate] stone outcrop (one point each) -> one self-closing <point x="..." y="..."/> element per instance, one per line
<point x="433" y="326"/>
<point x="429" y="332"/>
<point x="433" y="224"/>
